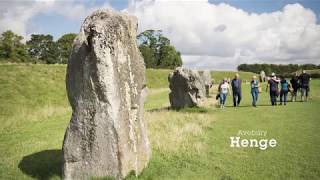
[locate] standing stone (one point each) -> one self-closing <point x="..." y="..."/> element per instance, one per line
<point x="262" y="76"/>
<point x="106" y="88"/>
<point x="187" y="88"/>
<point x="206" y="76"/>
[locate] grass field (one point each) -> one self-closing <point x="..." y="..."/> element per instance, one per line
<point x="186" y="144"/>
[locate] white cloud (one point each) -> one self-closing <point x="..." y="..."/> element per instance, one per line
<point x="222" y="36"/>
<point x="17" y="15"/>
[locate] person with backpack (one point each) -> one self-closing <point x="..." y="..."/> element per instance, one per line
<point x="236" y="90"/>
<point x="295" y="86"/>
<point x="273" y="85"/>
<point x="254" y="90"/>
<point x="224" y="90"/>
<point x="304" y="79"/>
<point x="284" y="90"/>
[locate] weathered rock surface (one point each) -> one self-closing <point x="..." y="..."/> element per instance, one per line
<point x="106" y="89"/>
<point x="206" y="77"/>
<point x="187" y="88"/>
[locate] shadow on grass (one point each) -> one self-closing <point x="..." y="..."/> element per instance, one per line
<point x="159" y="109"/>
<point x="246" y="106"/>
<point x="42" y="165"/>
<point x="186" y="109"/>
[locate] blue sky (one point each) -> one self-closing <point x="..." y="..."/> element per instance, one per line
<point x="57" y="25"/>
<point x="262" y="6"/>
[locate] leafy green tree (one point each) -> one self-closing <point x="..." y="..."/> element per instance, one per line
<point x="43" y="48"/>
<point x="149" y="38"/>
<point x="148" y="55"/>
<point x="267" y="69"/>
<point x="12" y="48"/>
<point x="64" y="44"/>
<point x="169" y="57"/>
<point x="157" y="51"/>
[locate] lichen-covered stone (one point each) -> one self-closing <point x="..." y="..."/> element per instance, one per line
<point x="106" y="88"/>
<point x="187" y="88"/>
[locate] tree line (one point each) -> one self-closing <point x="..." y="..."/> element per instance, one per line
<point x="284" y="69"/>
<point x="154" y="47"/>
<point x="39" y="49"/>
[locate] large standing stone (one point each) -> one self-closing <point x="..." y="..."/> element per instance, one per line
<point x="206" y="76"/>
<point x="187" y="89"/>
<point x="106" y="89"/>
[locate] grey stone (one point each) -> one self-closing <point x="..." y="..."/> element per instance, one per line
<point x="187" y="88"/>
<point x="262" y="76"/>
<point x="207" y="80"/>
<point x="106" y="136"/>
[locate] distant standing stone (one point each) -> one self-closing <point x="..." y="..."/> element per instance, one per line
<point x="262" y="76"/>
<point x="106" y="89"/>
<point x="187" y="88"/>
<point x="206" y="76"/>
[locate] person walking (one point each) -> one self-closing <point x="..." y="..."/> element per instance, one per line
<point x="254" y="90"/>
<point x="304" y="79"/>
<point x="224" y="89"/>
<point x="273" y="85"/>
<point x="236" y="90"/>
<point x="295" y="86"/>
<point x="284" y="90"/>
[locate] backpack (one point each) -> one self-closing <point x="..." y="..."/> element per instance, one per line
<point x="285" y="86"/>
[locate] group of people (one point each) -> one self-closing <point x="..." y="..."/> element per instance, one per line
<point x="224" y="90"/>
<point x="296" y="84"/>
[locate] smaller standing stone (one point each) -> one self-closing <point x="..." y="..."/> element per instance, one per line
<point x="262" y="76"/>
<point x="187" y="89"/>
<point x="206" y="76"/>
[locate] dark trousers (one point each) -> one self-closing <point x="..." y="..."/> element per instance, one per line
<point x="294" y="94"/>
<point x="273" y="97"/>
<point x="283" y="97"/>
<point x="236" y="98"/>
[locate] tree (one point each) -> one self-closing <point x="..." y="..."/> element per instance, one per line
<point x="64" y="44"/>
<point x="150" y="38"/>
<point x="148" y="55"/>
<point x="12" y="48"/>
<point x="169" y="57"/>
<point x="157" y="51"/>
<point x="43" y="48"/>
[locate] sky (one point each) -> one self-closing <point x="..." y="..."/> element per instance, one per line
<point x="210" y="34"/>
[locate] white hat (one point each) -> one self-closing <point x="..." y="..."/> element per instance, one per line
<point x="273" y="74"/>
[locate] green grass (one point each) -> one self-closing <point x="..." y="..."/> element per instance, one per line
<point x="219" y="75"/>
<point x="192" y="143"/>
<point x="157" y="78"/>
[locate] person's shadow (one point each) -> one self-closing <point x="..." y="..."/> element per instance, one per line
<point x="42" y="165"/>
